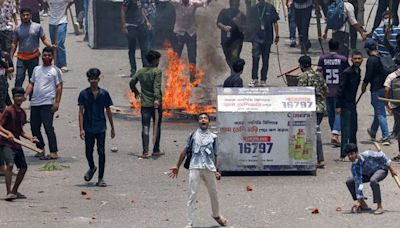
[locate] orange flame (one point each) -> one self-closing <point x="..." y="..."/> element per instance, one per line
<point x="178" y="89"/>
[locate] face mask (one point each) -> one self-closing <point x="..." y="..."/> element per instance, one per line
<point x="47" y="61"/>
<point x="385" y="22"/>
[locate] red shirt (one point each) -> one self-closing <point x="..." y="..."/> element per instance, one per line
<point x="13" y="121"/>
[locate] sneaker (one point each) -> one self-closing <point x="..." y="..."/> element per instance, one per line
<point x="38" y="155"/>
<point x="189" y="226"/>
<point x="64" y="69"/>
<point x="396" y="159"/>
<point x="253" y="83"/>
<point x="386" y="142"/>
<point x="293" y="43"/>
<point x="263" y="83"/>
<point x="10" y="197"/>
<point x="371" y="136"/>
<point x="101" y="183"/>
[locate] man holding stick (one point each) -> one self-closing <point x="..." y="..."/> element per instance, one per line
<point x="151" y="101"/>
<point x="11" y="124"/>
<point x="368" y="166"/>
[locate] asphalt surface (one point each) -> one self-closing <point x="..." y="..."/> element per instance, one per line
<point x="140" y="194"/>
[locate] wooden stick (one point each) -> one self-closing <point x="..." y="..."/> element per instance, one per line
<point x="390" y="100"/>
<point x="395" y="177"/>
<point x="24" y="144"/>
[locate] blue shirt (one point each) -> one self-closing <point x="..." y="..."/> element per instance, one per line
<point x="379" y="35"/>
<point x="203" y="150"/>
<point x="370" y="162"/>
<point x="94" y="119"/>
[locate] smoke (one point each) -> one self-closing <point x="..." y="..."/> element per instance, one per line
<point x="210" y="56"/>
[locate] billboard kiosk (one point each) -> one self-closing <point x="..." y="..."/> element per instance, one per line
<point x="266" y="129"/>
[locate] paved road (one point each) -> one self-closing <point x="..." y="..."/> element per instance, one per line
<point x="140" y="194"/>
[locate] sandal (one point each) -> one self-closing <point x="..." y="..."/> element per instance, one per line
<point x="146" y="155"/>
<point x="378" y="211"/>
<point x="221" y="220"/>
<point x="101" y="183"/>
<point x="11" y="197"/>
<point x="89" y="174"/>
<point x="158" y="153"/>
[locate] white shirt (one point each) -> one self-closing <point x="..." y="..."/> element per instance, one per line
<point x="58" y="11"/>
<point x="388" y="83"/>
<point x="45" y="80"/>
<point x="351" y="18"/>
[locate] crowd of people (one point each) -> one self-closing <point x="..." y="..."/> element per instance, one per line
<point x="336" y="82"/>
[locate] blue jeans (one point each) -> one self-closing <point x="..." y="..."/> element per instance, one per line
<point x="61" y="56"/>
<point x="151" y="33"/>
<point x="349" y="125"/>
<point x="22" y="67"/>
<point x="379" y="114"/>
<point x="292" y="22"/>
<point x="334" y="119"/>
<point x="90" y="140"/>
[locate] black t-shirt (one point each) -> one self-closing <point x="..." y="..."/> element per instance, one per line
<point x="263" y="16"/>
<point x="374" y="73"/>
<point x="226" y="18"/>
<point x="134" y="15"/>
<point x="233" y="81"/>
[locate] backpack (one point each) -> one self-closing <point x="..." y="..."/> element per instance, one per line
<point x="388" y="64"/>
<point x="189" y="152"/>
<point x="395" y="87"/>
<point x="336" y="17"/>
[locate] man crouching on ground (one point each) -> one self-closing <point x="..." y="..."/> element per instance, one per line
<point x="368" y="166"/>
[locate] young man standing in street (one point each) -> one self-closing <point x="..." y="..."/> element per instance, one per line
<point x="376" y="76"/>
<point x="231" y="22"/>
<point x="92" y="102"/>
<point x="263" y="20"/>
<point x="58" y="22"/>
<point x="26" y="38"/>
<point x="149" y="10"/>
<point x="332" y="65"/>
<point x="346" y="101"/>
<point x="309" y="77"/>
<point x="185" y="30"/>
<point x="134" y="26"/>
<point x="8" y="22"/>
<point x="12" y="121"/>
<point x="368" y="166"/>
<point x="392" y="89"/>
<point x="150" y="100"/>
<point x="342" y="35"/>
<point x="45" y="88"/>
<point x="386" y="31"/>
<point x="202" y="147"/>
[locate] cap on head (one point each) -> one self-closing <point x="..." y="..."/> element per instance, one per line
<point x="305" y="61"/>
<point x="18" y="91"/>
<point x="370" y="44"/>
<point x="93" y="73"/>
<point x="350" y="148"/>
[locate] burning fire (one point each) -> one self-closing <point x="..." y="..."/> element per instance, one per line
<point x="178" y="89"/>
